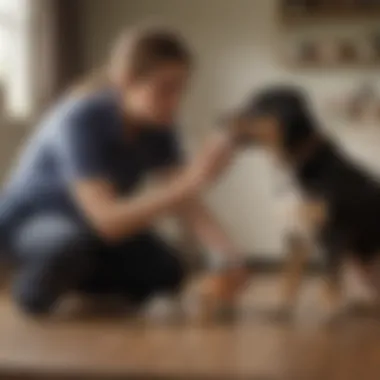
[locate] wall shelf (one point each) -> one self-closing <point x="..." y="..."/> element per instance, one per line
<point x="317" y="38"/>
<point x="296" y="19"/>
<point x="332" y="65"/>
<point x="322" y="11"/>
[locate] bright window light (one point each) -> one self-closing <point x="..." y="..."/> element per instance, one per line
<point x="15" y="57"/>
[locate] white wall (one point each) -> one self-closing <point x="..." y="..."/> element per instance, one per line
<point x="237" y="45"/>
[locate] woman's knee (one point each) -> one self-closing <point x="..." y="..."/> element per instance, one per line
<point x="33" y="293"/>
<point x="49" y="237"/>
<point x="55" y="244"/>
<point x="55" y="254"/>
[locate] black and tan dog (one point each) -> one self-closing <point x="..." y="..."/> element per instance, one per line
<point x="341" y="200"/>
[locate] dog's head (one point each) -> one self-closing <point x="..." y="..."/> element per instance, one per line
<point x="277" y="118"/>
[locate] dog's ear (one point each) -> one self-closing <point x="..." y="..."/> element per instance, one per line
<point x="290" y="106"/>
<point x="298" y="123"/>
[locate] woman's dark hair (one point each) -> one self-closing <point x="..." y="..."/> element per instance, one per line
<point x="143" y="50"/>
<point x="137" y="53"/>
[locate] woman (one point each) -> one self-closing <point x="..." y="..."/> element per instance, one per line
<point x="71" y="211"/>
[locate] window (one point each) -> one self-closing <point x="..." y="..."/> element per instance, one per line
<point x="15" y="64"/>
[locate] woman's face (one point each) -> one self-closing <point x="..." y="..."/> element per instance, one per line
<point x="155" y="98"/>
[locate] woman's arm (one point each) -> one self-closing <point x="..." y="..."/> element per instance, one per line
<point x="115" y="218"/>
<point x="83" y="151"/>
<point x="84" y="156"/>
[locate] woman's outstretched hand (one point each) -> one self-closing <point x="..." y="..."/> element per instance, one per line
<point x="210" y="162"/>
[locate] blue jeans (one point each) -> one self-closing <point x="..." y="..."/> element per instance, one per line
<point x="57" y="255"/>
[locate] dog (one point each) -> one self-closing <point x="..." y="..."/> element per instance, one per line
<point x="341" y="200"/>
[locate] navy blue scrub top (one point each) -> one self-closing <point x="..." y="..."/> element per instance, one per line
<point x="84" y="138"/>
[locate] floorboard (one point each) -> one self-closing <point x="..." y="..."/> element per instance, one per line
<point x="253" y="346"/>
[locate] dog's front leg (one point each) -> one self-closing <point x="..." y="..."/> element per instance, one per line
<point x="333" y="281"/>
<point x="298" y="252"/>
<point x="363" y="298"/>
<point x="371" y="274"/>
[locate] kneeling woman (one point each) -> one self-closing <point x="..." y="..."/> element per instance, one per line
<point x="71" y="213"/>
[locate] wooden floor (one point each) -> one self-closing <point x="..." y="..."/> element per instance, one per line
<point x="253" y="347"/>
